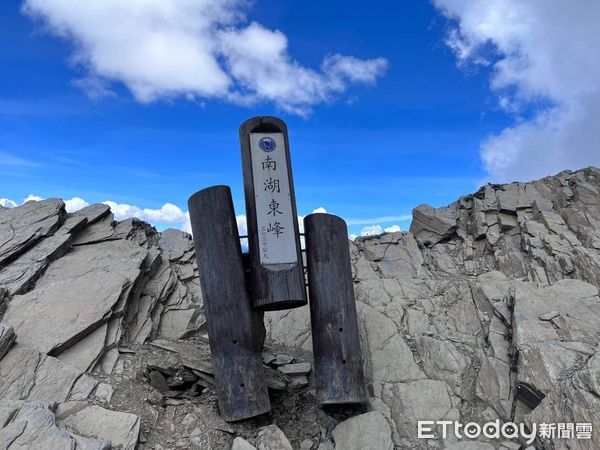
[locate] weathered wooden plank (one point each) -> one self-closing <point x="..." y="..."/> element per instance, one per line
<point x="336" y="347"/>
<point x="281" y="285"/>
<point x="233" y="337"/>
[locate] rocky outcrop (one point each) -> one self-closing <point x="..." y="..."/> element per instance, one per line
<point x="73" y="287"/>
<point x="486" y="310"/>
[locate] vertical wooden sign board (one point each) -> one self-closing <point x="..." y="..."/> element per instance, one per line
<point x="273" y="235"/>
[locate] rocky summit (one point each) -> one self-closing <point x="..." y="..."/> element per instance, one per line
<point x="488" y="309"/>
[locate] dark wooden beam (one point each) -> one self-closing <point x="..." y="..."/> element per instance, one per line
<point x="336" y="346"/>
<point x="233" y="327"/>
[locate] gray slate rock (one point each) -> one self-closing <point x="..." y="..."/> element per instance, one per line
<point x="368" y="431"/>
<point x="24" y="226"/>
<point x="21" y="274"/>
<point x="7" y="339"/>
<point x="432" y="225"/>
<point x="272" y="438"/>
<point x="76" y="296"/>
<point x="32" y="425"/>
<point x="295" y="369"/>
<point x="446" y="310"/>
<point x="93" y="213"/>
<point x="26" y="374"/>
<point x="121" y="430"/>
<point x="241" y="444"/>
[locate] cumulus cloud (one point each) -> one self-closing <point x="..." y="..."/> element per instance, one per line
<point x="544" y="57"/>
<point x="392" y="229"/>
<point x="167" y="214"/>
<point x="374" y="230"/>
<point x="195" y="49"/>
<point x="371" y="230"/>
<point x="32" y="198"/>
<point x="7" y="203"/>
<point x="75" y="204"/>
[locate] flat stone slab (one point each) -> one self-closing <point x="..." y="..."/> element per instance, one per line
<point x="549" y="315"/>
<point x="271" y="437"/>
<point x="22" y="273"/>
<point x="295" y="369"/>
<point x="121" y="430"/>
<point x="369" y="430"/>
<point x="32" y="425"/>
<point x="26" y="374"/>
<point x="75" y="296"/>
<point x="23" y="226"/>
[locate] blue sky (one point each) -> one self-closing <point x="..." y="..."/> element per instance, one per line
<point x="417" y="110"/>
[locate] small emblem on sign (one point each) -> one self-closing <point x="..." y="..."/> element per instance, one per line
<point x="267" y="144"/>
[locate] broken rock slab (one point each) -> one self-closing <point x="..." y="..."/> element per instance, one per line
<point x="295" y="369"/>
<point x="22" y="227"/>
<point x="431" y="225"/>
<point x="241" y="444"/>
<point x="7" y="339"/>
<point x="369" y="431"/>
<point x="272" y="438"/>
<point x="33" y="425"/>
<point x="26" y="374"/>
<point x="21" y="274"/>
<point x="93" y="213"/>
<point x="76" y="295"/>
<point x="121" y="430"/>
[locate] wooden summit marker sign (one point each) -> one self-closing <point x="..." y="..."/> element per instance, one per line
<point x="273" y="236"/>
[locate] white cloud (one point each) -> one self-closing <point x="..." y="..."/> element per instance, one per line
<point x="371" y="230"/>
<point x="544" y="57"/>
<point x="173" y="215"/>
<point x="7" y="203"/>
<point x="32" y="198"/>
<point x="167" y="213"/>
<point x="392" y="229"/>
<point x="374" y="230"/>
<point x="75" y="204"/>
<point x="193" y="49"/>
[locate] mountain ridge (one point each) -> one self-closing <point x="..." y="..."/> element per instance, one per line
<point x="486" y="309"/>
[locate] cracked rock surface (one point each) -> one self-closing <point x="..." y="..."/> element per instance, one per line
<point x="487" y="309"/>
<point x="449" y="313"/>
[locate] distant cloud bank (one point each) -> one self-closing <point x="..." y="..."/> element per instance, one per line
<point x="544" y="57"/>
<point x="171" y="215"/>
<point x="197" y="49"/>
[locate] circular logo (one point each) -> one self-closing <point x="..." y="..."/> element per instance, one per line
<point x="267" y="144"/>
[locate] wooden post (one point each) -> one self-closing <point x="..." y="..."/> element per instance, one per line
<point x="273" y="236"/>
<point x="232" y="324"/>
<point x="336" y="347"/>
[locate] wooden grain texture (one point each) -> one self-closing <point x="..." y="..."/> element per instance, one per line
<point x="233" y="329"/>
<point x="274" y="286"/>
<point x="336" y="347"/>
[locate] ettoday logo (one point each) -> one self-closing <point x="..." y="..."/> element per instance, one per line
<point x="426" y="429"/>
